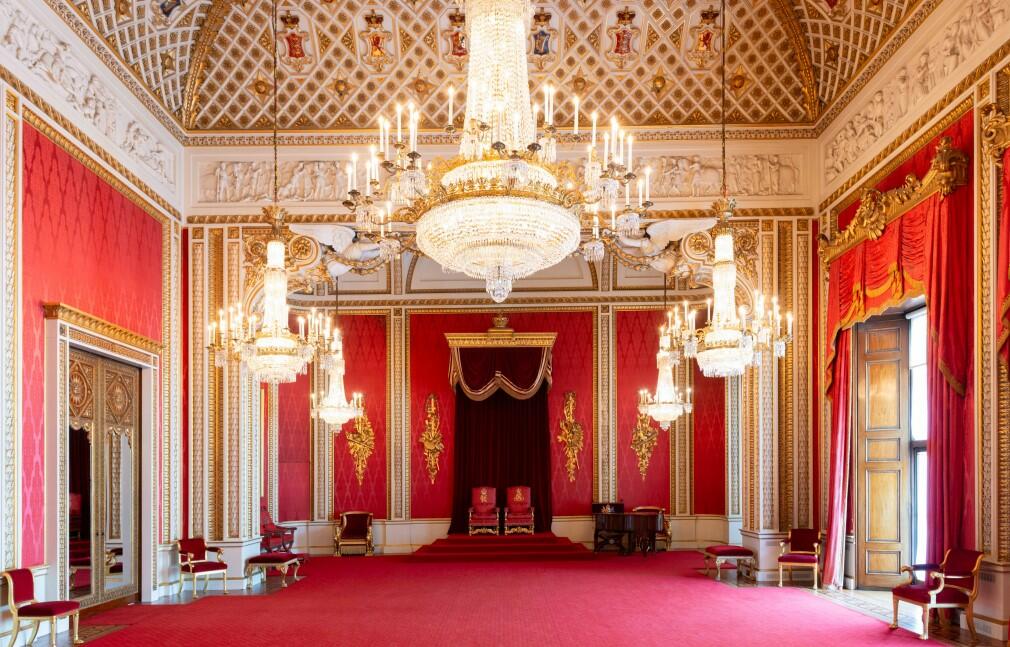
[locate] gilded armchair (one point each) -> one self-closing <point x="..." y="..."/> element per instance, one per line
<point x="354" y="529"/>
<point x="193" y="562"/>
<point x="275" y="538"/>
<point x="483" y="516"/>
<point x="662" y="535"/>
<point x="952" y="584"/>
<point x="518" y="510"/>
<point x="804" y="551"/>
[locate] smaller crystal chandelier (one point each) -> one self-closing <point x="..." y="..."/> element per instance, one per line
<point x="667" y="403"/>
<point x="331" y="405"/>
<point x="266" y="345"/>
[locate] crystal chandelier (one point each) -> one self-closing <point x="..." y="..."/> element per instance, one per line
<point x="667" y="403"/>
<point x="331" y="405"/>
<point x="731" y="339"/>
<point x="266" y="345"/>
<point x="501" y="209"/>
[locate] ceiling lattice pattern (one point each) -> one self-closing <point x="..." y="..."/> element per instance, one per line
<point x="842" y="39"/>
<point x="154" y="45"/>
<point x="336" y="85"/>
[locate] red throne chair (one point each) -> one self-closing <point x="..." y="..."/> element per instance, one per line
<point x="354" y="529"/>
<point x="24" y="607"/>
<point x="952" y="584"/>
<point x="483" y="516"/>
<point x="518" y="510"/>
<point x="275" y="538"/>
<point x="193" y="562"/>
<point x="804" y="551"/>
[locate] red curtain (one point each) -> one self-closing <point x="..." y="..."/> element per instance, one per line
<point x="1003" y="268"/>
<point x="927" y="251"/>
<point x="838" y="475"/>
<point x="501" y="441"/>
<point x="519" y="371"/>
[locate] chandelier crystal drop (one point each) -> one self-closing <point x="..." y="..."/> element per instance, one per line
<point x="503" y="208"/>
<point x="668" y="403"/>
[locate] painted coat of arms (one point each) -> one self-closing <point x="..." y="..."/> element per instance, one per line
<point x="456" y="48"/>
<point x="623" y="39"/>
<point x="543" y="39"/>
<point x="376" y="39"/>
<point x="163" y="12"/>
<point x="704" y="38"/>
<point x="296" y="46"/>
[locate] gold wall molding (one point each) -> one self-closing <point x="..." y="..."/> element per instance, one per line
<point x="995" y="133"/>
<point x="361" y="445"/>
<point x="431" y="438"/>
<point x="100" y="326"/>
<point x="10" y="353"/>
<point x="643" y="441"/>
<point x="947" y="171"/>
<point x="56" y="117"/>
<point x="570" y="436"/>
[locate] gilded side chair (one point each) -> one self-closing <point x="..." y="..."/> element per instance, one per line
<point x="951" y="584"/>
<point x="354" y="529"/>
<point x="193" y="562"/>
<point x="25" y="608"/>
<point x="801" y="549"/>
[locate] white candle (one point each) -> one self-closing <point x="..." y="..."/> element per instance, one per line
<point x="593" y="140"/>
<point x="639" y="185"/>
<point x="354" y="169"/>
<point x="575" y="100"/>
<point x="631" y="165"/>
<point x="301" y="327"/>
<point x="547" y="104"/>
<point x="399" y="123"/>
<point x="619" y="148"/>
<point x="596" y="227"/>
<point x="606" y="149"/>
<point x="452" y="112"/>
<point x="536" y="114"/>
<point x="648" y="176"/>
<point x="350" y="178"/>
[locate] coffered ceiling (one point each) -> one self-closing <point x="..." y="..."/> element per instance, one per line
<point x="649" y="62"/>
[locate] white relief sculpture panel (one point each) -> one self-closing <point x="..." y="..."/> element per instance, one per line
<point x="907" y="87"/>
<point x="225" y="182"/>
<point x="700" y="176"/>
<point x="38" y="49"/>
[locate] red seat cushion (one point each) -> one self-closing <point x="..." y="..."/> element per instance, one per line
<point x="204" y="567"/>
<point x="919" y="592"/>
<point x="727" y="550"/>
<point x="273" y="558"/>
<point x="483" y="518"/>
<point x="797" y="558"/>
<point x="520" y="518"/>
<point x="48" y="609"/>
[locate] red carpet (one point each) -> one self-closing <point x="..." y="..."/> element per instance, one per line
<point x="606" y="600"/>
<point x="541" y="546"/>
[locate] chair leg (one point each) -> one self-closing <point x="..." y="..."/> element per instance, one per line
<point x="969" y="618"/>
<point x="248" y="578"/>
<point x="224" y="582"/>
<point x="780" y="575"/>
<point x="35" y="631"/>
<point x="52" y="632"/>
<point x="14" y="633"/>
<point x="196" y="591"/>
<point x="894" y="603"/>
<point x="284" y="576"/>
<point x="718" y="570"/>
<point x="294" y="576"/>
<point x="925" y="624"/>
<point x="75" y="621"/>
<point x="182" y="580"/>
<point x="815" y="578"/>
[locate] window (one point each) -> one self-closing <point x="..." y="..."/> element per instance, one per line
<point x="918" y="412"/>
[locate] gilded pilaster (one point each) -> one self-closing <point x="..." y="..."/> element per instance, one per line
<point x="606" y="457"/>
<point x="682" y="452"/>
<point x="214" y="456"/>
<point x="10" y="303"/>
<point x="235" y="381"/>
<point x="270" y="487"/>
<point x="198" y="374"/>
<point x="398" y="417"/>
<point x="733" y="455"/>
<point x="786" y="463"/>
<point x="322" y="455"/>
<point x="801" y="377"/>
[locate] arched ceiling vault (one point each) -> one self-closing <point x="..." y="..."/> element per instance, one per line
<point x="207" y="61"/>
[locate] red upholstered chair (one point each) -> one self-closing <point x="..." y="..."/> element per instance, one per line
<point x="804" y="551"/>
<point x="663" y="534"/>
<point x="952" y="584"/>
<point x="354" y="529"/>
<point x="24" y="608"/>
<point x="518" y="510"/>
<point x="484" y="514"/>
<point x="274" y="538"/>
<point x="193" y="562"/>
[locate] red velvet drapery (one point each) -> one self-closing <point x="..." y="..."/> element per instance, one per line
<point x="927" y="251"/>
<point x="519" y="371"/>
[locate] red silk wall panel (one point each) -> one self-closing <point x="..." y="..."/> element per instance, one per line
<point x="636" y="341"/>
<point x="429" y="374"/>
<point x="86" y="245"/>
<point x="365" y="352"/>
<point x="709" y="443"/>
<point x="294" y="471"/>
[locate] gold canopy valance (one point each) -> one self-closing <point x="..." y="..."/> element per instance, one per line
<point x="482" y="363"/>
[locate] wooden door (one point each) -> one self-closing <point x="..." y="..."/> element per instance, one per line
<point x="882" y="477"/>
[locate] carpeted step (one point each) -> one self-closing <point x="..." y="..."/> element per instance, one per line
<point x="540" y="546"/>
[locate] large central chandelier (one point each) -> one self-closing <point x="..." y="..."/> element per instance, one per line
<point x="503" y="208"/>
<point x="332" y="405"/>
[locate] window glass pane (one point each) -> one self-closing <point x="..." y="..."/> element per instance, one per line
<point x="917" y="339"/>
<point x="917" y="402"/>
<point x="919" y="550"/>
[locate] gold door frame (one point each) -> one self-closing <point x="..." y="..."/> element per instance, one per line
<point x="66" y="329"/>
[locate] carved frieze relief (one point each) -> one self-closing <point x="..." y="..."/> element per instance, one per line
<point x="701" y="176"/>
<point x="225" y="182"/>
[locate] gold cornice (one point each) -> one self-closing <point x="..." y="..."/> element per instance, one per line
<point x="995" y="132"/>
<point x="212" y="23"/>
<point x="74" y="151"/>
<point x="947" y="171"/>
<point x="25" y="91"/>
<point x="797" y="39"/>
<point x="500" y="339"/>
<point x="910" y="149"/>
<point x="99" y="326"/>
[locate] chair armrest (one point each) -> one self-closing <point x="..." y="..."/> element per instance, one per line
<point x="782" y="546"/>
<point x="922" y="567"/>
<point x="937" y="576"/>
<point x="185" y="558"/>
<point x="218" y="550"/>
<point x="817" y="548"/>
